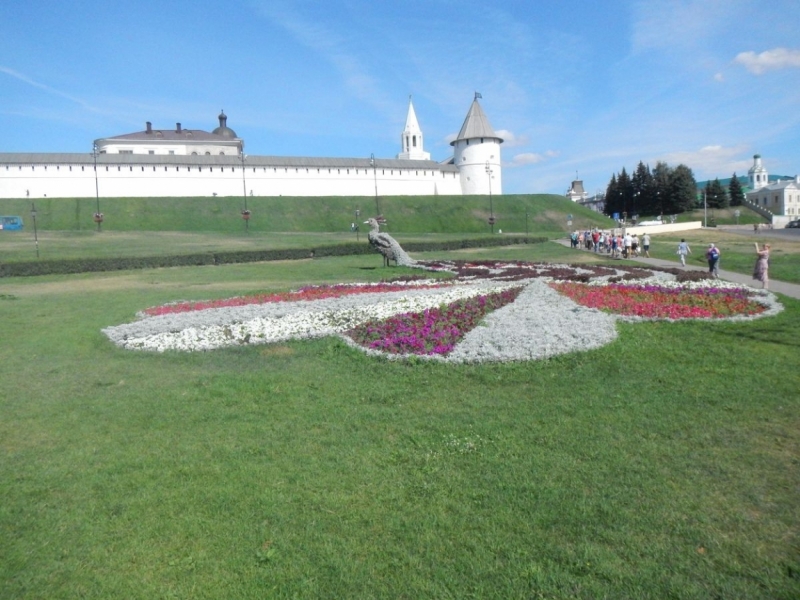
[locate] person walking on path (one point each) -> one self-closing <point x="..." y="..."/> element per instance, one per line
<point x="683" y="250"/>
<point x="761" y="269"/>
<point x="646" y="244"/>
<point x="712" y="255"/>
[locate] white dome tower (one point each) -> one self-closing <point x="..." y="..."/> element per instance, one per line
<point x="476" y="153"/>
<point x="757" y="175"/>
<point x="411" y="138"/>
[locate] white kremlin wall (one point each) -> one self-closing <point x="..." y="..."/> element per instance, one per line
<point x="193" y="162"/>
<point x="64" y="178"/>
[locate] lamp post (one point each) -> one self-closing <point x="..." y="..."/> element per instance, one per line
<point x="491" y="207"/>
<point x="35" y="233"/>
<point x="705" y="209"/>
<point x="375" y="177"/>
<point x="98" y="216"/>
<point x="245" y="211"/>
<point x="526" y="222"/>
<point x="355" y="223"/>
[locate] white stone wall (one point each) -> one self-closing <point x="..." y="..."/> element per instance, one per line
<point x="71" y="181"/>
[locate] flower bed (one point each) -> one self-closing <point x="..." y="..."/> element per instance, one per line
<point x="487" y="311"/>
<point x="432" y="331"/>
<point x="306" y="294"/>
<point x="662" y="302"/>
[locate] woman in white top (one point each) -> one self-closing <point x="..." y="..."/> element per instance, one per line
<point x="683" y="250"/>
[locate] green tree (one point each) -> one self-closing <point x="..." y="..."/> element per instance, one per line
<point x="735" y="191"/>
<point x="661" y="178"/>
<point x="643" y="191"/>
<point x="715" y="195"/>
<point x="625" y="193"/>
<point x="682" y="190"/>
<point x="613" y="202"/>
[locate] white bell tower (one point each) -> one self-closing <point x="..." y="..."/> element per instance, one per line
<point x="757" y="175"/>
<point x="411" y="138"/>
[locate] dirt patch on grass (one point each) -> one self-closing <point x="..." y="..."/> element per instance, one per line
<point x="116" y="284"/>
<point x="549" y="216"/>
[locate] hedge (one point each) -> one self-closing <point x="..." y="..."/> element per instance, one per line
<point x="91" y="265"/>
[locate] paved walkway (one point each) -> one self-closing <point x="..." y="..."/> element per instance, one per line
<point x="789" y="289"/>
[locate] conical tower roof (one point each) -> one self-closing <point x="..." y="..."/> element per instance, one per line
<point x="412" y="125"/>
<point x="476" y="125"/>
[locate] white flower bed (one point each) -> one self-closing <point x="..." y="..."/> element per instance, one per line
<point x="540" y="323"/>
<point x="280" y="321"/>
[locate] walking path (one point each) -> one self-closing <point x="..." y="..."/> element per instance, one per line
<point x="789" y="289"/>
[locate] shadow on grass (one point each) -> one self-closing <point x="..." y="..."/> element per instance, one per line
<point x="769" y="334"/>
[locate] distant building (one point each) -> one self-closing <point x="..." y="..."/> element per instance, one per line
<point x="223" y="141"/>
<point x="779" y="198"/>
<point x="576" y="193"/>
<point x="193" y="162"/>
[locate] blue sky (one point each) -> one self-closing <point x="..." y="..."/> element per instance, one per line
<point x="573" y="86"/>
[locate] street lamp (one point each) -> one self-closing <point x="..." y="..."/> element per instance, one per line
<point x="35" y="233"/>
<point x="375" y="177"/>
<point x="491" y="207"/>
<point x="98" y="216"/>
<point x="355" y="223"/>
<point x="705" y="209"/>
<point x="245" y="212"/>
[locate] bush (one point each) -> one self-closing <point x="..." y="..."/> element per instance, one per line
<point x="91" y="265"/>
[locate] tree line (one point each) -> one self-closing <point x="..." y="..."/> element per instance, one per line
<point x="665" y="190"/>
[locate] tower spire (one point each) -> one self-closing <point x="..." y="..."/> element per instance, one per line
<point x="411" y="141"/>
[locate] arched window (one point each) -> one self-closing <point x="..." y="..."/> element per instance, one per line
<point x="414" y="141"/>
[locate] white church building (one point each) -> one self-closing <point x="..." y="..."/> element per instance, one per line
<point x="192" y="162"/>
<point x="780" y="198"/>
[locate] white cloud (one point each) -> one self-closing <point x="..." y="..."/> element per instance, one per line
<point x="46" y="88"/>
<point x="710" y="161"/>
<point x="769" y="60"/>
<point x="719" y="77"/>
<point x="510" y="140"/>
<point x="530" y="158"/>
<point x="333" y="47"/>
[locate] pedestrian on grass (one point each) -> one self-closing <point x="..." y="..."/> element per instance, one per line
<point x="683" y="250"/>
<point x="646" y="244"/>
<point x="712" y="256"/>
<point x="761" y="269"/>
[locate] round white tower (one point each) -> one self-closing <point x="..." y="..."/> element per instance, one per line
<point x="411" y="138"/>
<point x="757" y="175"/>
<point x="476" y="153"/>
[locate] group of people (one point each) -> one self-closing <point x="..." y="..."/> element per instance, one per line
<point x="616" y="245"/>
<point x="630" y="245"/>
<point x="760" y="270"/>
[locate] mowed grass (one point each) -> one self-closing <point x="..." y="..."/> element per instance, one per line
<point x="662" y="465"/>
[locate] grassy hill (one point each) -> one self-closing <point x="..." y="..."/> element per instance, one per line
<point x="546" y="213"/>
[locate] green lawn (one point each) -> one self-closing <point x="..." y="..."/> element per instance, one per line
<point x="664" y="465"/>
